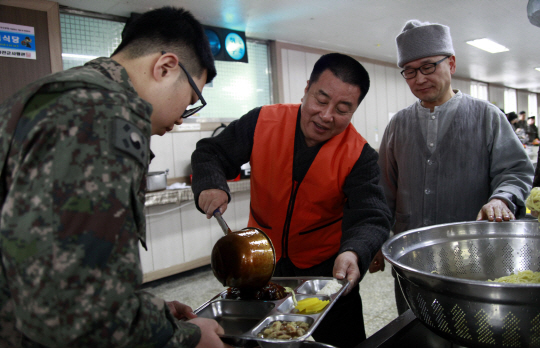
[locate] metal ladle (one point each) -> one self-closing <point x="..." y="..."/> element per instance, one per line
<point x="222" y="222"/>
<point x="243" y="259"/>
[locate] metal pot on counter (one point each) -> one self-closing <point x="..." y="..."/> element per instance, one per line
<point x="156" y="181"/>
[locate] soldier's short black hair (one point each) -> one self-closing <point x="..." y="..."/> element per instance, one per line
<point x="172" y="30"/>
<point x="345" y="68"/>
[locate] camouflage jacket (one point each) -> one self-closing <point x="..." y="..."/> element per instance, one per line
<point x="74" y="150"/>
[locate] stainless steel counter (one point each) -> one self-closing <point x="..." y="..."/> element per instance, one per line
<point x="182" y="195"/>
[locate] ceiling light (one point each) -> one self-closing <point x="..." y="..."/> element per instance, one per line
<point x="488" y="45"/>
<point x="537" y="69"/>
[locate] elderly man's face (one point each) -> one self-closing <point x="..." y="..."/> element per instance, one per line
<point x="327" y="108"/>
<point x="433" y="89"/>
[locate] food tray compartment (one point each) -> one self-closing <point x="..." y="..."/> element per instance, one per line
<point x="287" y="306"/>
<point x="243" y="319"/>
<point x="288" y="318"/>
<point x="311" y="287"/>
<point x="237" y="317"/>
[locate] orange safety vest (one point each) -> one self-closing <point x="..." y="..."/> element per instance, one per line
<point x="303" y="220"/>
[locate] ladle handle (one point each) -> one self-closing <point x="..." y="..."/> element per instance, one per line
<point x="222" y="222"/>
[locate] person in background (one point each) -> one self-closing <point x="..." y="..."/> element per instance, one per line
<point x="448" y="157"/>
<point x="522" y="123"/>
<point x="314" y="186"/>
<point x="521" y="128"/>
<point x="513" y="119"/>
<point x="532" y="130"/>
<point x="74" y="153"/>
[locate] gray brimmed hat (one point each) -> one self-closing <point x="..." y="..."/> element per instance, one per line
<point x="419" y="40"/>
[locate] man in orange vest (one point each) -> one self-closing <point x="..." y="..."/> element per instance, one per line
<point x="314" y="186"/>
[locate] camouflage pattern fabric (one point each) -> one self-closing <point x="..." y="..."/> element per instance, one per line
<point x="72" y="197"/>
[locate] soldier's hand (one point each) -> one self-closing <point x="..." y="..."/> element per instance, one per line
<point x="346" y="266"/>
<point x="209" y="333"/>
<point x="181" y="311"/>
<point x="495" y="210"/>
<point x="210" y="200"/>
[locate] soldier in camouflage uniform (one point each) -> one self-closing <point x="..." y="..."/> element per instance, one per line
<point x="74" y="151"/>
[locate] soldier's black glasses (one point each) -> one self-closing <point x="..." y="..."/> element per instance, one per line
<point x="425" y="69"/>
<point x="193" y="110"/>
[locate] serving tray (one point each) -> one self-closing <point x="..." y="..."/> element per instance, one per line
<point x="242" y="320"/>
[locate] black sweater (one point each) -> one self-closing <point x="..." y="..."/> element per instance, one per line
<point x="366" y="217"/>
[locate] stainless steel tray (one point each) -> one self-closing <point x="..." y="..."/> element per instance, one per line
<point x="242" y="320"/>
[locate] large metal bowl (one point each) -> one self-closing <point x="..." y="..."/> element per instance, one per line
<point x="443" y="272"/>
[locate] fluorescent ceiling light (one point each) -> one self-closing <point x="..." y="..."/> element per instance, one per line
<point x="79" y="56"/>
<point x="537" y="69"/>
<point x="488" y="45"/>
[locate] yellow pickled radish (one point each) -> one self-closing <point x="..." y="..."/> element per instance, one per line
<point x="311" y="305"/>
<point x="309" y="300"/>
<point x="302" y="304"/>
<point x="316" y="307"/>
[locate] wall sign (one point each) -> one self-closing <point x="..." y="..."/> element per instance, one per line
<point x="17" y="41"/>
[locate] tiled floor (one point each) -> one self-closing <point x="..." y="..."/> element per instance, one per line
<point x="198" y="286"/>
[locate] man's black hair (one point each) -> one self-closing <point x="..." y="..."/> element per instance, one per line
<point x="522" y="112"/>
<point x="345" y="68"/>
<point x="172" y="30"/>
<point x="511" y="116"/>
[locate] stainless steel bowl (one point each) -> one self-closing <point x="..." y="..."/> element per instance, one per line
<point x="443" y="272"/>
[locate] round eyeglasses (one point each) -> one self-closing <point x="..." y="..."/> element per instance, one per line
<point x="425" y="69"/>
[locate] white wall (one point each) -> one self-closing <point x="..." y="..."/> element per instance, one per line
<point x="496" y="95"/>
<point x="297" y="66"/>
<point x="523" y="101"/>
<point x="173" y="151"/>
<point x="463" y="85"/>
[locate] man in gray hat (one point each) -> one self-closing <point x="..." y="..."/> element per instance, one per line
<point x="448" y="157"/>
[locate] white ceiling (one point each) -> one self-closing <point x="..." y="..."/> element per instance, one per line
<point x="368" y="28"/>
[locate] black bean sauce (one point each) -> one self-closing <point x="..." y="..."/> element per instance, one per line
<point x="269" y="292"/>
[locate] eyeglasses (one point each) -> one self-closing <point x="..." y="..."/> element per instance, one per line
<point x="193" y="110"/>
<point x="425" y="69"/>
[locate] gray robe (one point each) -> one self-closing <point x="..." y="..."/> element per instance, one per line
<point x="443" y="166"/>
